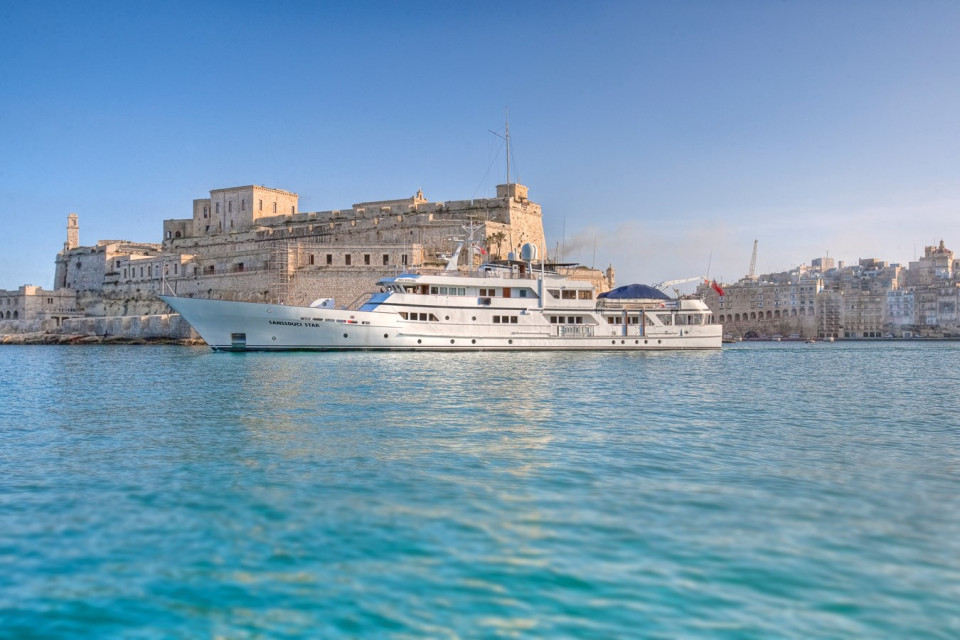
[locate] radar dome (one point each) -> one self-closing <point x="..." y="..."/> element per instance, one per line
<point x="528" y="252"/>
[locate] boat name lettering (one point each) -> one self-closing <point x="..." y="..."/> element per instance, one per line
<point x="297" y="324"/>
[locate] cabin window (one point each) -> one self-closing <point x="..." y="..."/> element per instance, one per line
<point x="434" y="290"/>
<point x="585" y="295"/>
<point x="570" y="294"/>
<point x="554" y="292"/>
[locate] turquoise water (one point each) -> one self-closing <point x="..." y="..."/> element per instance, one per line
<point x="763" y="491"/>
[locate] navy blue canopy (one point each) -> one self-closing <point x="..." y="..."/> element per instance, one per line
<point x="635" y="291"/>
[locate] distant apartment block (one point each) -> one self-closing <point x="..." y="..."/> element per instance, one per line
<point x="872" y="299"/>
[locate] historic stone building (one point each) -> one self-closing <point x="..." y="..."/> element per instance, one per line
<point x="253" y="243"/>
<point x="32" y="308"/>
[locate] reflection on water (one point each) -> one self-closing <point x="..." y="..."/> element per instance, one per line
<point x="178" y="492"/>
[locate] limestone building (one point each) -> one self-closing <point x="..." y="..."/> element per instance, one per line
<point x="254" y="243"/>
<point x="32" y="308"/>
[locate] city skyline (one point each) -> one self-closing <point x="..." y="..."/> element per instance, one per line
<point x="661" y="138"/>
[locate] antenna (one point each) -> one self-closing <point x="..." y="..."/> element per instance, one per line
<point x="505" y="138"/>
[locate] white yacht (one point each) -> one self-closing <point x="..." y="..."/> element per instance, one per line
<point x="499" y="307"/>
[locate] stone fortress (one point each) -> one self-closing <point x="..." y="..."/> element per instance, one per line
<point x="253" y="243"/>
<point x="828" y="299"/>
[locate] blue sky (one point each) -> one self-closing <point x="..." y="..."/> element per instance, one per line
<point x="661" y="137"/>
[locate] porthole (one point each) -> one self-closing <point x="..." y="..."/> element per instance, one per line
<point x="451" y="341"/>
<point x="473" y="342"/>
<point x="659" y="341"/>
<point x="636" y="342"/>
<point x="623" y="342"/>
<point x="613" y="342"/>
<point x="474" y="318"/>
<point x="509" y="341"/>
<point x="646" y="341"/>
<point x="446" y="317"/>
<point x="386" y="335"/>
<point x="274" y="338"/>
<point x="344" y="335"/>
<point x="419" y="341"/>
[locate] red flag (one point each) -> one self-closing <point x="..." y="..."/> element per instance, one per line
<point x="716" y="287"/>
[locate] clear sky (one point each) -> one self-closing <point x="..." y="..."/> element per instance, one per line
<point x="662" y="137"/>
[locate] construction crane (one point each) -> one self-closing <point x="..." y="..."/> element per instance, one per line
<point x="752" y="274"/>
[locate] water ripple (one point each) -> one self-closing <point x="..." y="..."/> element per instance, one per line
<point x="789" y="491"/>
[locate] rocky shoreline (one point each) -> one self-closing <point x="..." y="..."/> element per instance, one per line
<point x="67" y="338"/>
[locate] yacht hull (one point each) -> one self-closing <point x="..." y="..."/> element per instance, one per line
<point x="246" y="326"/>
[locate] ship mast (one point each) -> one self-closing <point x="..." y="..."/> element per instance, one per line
<point x="506" y="139"/>
<point x="506" y="119"/>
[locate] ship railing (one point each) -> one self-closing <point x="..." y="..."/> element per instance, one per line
<point x="575" y="330"/>
<point x="360" y="300"/>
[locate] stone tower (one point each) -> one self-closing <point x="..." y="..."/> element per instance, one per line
<point x="73" y="233"/>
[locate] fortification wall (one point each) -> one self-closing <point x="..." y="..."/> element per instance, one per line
<point x="169" y="325"/>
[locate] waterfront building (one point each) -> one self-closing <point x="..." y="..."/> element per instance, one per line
<point x="871" y="299"/>
<point x="32" y="308"/>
